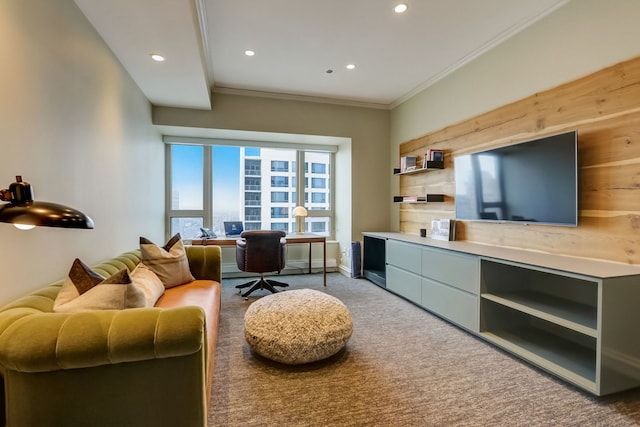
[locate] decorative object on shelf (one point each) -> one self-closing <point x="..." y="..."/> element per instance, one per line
<point x="300" y="213"/>
<point x="432" y="156"/>
<point x="443" y="229"/>
<point x="408" y="163"/>
<point x="25" y="213"/>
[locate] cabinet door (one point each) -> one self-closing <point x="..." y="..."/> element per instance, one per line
<point x="451" y="303"/>
<point x="404" y="283"/>
<point x="405" y="255"/>
<point x="455" y="269"/>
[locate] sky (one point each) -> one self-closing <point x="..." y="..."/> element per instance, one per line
<point x="187" y="176"/>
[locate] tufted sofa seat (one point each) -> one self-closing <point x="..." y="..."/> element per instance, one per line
<point x="134" y="367"/>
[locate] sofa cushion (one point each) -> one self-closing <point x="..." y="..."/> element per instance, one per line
<point x="147" y="281"/>
<point x="170" y="262"/>
<point x="84" y="290"/>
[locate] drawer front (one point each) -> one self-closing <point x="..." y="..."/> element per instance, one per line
<point x="404" y="283"/>
<point x="405" y="255"/>
<point x="453" y="304"/>
<point x="452" y="268"/>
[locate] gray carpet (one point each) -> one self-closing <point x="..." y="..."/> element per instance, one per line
<point x="402" y="367"/>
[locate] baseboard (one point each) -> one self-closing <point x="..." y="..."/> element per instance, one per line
<point x="230" y="269"/>
<point x="344" y="270"/>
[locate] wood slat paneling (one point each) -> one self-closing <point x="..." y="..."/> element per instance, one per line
<point x="605" y="109"/>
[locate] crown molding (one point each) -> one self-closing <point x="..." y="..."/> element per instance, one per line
<point x="302" y="98"/>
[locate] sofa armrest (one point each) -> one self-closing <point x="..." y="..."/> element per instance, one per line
<point x="43" y="342"/>
<point x="205" y="262"/>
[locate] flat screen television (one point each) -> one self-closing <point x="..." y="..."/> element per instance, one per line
<point x="530" y="182"/>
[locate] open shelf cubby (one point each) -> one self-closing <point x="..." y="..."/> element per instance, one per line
<point x="559" y="350"/>
<point x="567" y="301"/>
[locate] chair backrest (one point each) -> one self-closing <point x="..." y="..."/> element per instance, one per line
<point x="261" y="251"/>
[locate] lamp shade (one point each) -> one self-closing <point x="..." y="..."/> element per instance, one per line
<point x="299" y="211"/>
<point x="22" y="209"/>
<point x="44" y="214"/>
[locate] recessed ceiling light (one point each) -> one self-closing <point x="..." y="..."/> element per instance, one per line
<point x="351" y="66"/>
<point x="249" y="52"/>
<point x="400" y="8"/>
<point x="157" y="57"/>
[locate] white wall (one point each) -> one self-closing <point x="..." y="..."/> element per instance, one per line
<point x="579" y="38"/>
<point x="76" y="127"/>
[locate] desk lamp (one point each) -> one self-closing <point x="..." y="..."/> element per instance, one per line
<point x="299" y="212"/>
<point x="25" y="213"/>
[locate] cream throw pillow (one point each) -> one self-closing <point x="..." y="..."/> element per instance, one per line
<point x="85" y="290"/>
<point x="169" y="262"/>
<point x="148" y="282"/>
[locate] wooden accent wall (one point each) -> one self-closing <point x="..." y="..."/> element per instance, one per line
<point x="605" y="109"/>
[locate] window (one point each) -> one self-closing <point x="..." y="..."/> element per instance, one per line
<point x="318" y="182"/>
<point x="252" y="214"/>
<point x="318" y="227"/>
<point x="279" y="166"/>
<point x="279" y="196"/>
<point x="279" y="181"/>
<point x="318" y="168"/>
<point x="210" y="184"/>
<point x="252" y="167"/>
<point x="252" y="198"/>
<point x="318" y="197"/>
<point x="279" y="212"/>
<point x="251" y="183"/>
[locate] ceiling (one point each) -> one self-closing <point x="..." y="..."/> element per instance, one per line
<point x="297" y="42"/>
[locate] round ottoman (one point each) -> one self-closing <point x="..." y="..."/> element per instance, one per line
<point x="296" y="327"/>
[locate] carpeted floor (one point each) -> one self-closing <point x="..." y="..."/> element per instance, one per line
<point x="402" y="367"/>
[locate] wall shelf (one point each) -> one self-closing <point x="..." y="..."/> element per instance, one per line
<point x="431" y="166"/>
<point x="429" y="198"/>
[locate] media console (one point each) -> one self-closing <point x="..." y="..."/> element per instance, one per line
<point x="576" y="318"/>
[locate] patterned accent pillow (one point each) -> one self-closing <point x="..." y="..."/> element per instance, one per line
<point x="85" y="290"/>
<point x="169" y="262"/>
<point x="148" y="282"/>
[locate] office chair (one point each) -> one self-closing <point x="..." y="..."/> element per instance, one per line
<point x="261" y="251"/>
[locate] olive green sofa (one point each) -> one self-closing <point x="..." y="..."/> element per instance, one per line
<point x="134" y="367"/>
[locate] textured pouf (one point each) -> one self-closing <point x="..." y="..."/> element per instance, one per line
<point x="296" y="327"/>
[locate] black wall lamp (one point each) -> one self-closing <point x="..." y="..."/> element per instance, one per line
<point x="22" y="211"/>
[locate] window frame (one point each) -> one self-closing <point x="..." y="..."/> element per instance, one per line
<point x="300" y="175"/>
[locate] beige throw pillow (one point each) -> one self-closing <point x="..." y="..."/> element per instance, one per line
<point x="85" y="290"/>
<point x="148" y="282"/>
<point x="169" y="262"/>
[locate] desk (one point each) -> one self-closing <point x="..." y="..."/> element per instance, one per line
<point x="292" y="238"/>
